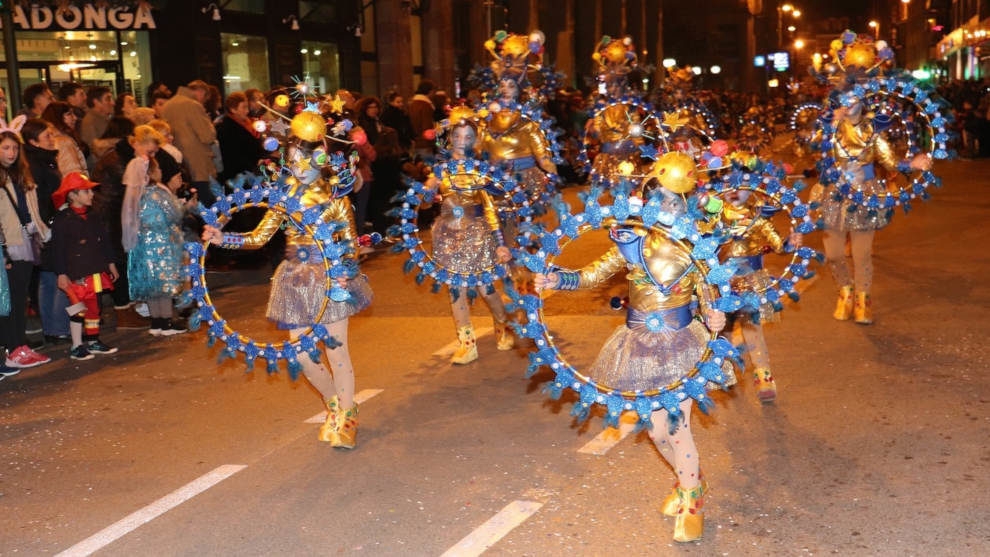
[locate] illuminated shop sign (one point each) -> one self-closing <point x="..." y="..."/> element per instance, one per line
<point x="85" y="16"/>
<point x="779" y="60"/>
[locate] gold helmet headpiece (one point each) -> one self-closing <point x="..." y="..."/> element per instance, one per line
<point x="855" y="54"/>
<point x="515" y="55"/>
<point x="615" y="57"/>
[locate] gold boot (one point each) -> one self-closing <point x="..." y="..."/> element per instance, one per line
<point x="766" y="388"/>
<point x="690" y="522"/>
<point x="503" y="336"/>
<point x="864" y="309"/>
<point x="328" y="431"/>
<point x="672" y="502"/>
<point x="844" y="307"/>
<point x="347" y="428"/>
<point x="467" y="352"/>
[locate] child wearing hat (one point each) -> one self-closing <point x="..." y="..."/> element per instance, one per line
<point x="83" y="260"/>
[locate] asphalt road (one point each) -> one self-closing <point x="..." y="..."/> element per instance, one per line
<point x="879" y="443"/>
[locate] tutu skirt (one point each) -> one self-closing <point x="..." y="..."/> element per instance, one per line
<point x="837" y="216"/>
<point x="299" y="288"/>
<point x="757" y="281"/>
<point x="637" y="359"/>
<point x="463" y="243"/>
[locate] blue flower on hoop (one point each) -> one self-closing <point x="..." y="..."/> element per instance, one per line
<point x="252" y="192"/>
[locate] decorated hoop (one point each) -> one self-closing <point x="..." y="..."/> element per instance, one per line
<point x="766" y="180"/>
<point x="649" y="126"/>
<point x="700" y="111"/>
<point x="929" y="108"/>
<point x="274" y="197"/>
<point x="680" y="230"/>
<point x="406" y="232"/>
<point x="798" y="122"/>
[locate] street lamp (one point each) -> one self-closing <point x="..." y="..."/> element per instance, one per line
<point x="716" y="70"/>
<point x="696" y="70"/>
<point x="875" y="25"/>
<point x="669" y="63"/>
<point x="798" y="44"/>
<point x="791" y="28"/>
<point x="781" y="10"/>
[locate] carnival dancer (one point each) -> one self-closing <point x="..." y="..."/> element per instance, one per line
<point x="752" y="234"/>
<point x="639" y="356"/>
<point x="858" y="148"/>
<point x="467" y="237"/>
<point x="613" y="128"/>
<point x="299" y="285"/>
<point x="510" y="137"/>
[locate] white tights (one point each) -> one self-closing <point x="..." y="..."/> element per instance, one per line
<point x="339" y="380"/>
<point x="678" y="448"/>
<point x="462" y="313"/>
<point x="862" y="255"/>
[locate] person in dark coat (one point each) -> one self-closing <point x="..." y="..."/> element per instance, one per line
<point x="395" y="117"/>
<point x="83" y="260"/>
<point x="39" y="148"/>
<point x="240" y="143"/>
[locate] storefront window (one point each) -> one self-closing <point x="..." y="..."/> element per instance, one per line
<point x="321" y="65"/>
<point x="245" y="62"/>
<point x="135" y="51"/>
<point x="120" y="60"/>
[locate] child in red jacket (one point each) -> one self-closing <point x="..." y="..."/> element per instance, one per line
<point x="83" y="259"/>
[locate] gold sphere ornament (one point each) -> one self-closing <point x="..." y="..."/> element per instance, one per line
<point x="615" y="52"/>
<point x="860" y="54"/>
<point x="308" y="126"/>
<point x="676" y="171"/>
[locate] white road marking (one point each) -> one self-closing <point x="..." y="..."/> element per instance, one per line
<point x="136" y="519"/>
<point x="489" y="533"/>
<point x="449" y="348"/>
<point x="359" y="398"/>
<point x="610" y="437"/>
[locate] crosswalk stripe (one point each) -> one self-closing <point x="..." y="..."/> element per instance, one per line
<point x="494" y="529"/>
<point x="142" y="516"/>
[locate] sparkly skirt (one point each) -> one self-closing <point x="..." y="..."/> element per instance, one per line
<point x="757" y="281"/>
<point x="299" y="288"/>
<point x="533" y="180"/>
<point x="463" y="244"/>
<point x="637" y="359"/>
<point x="836" y="214"/>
